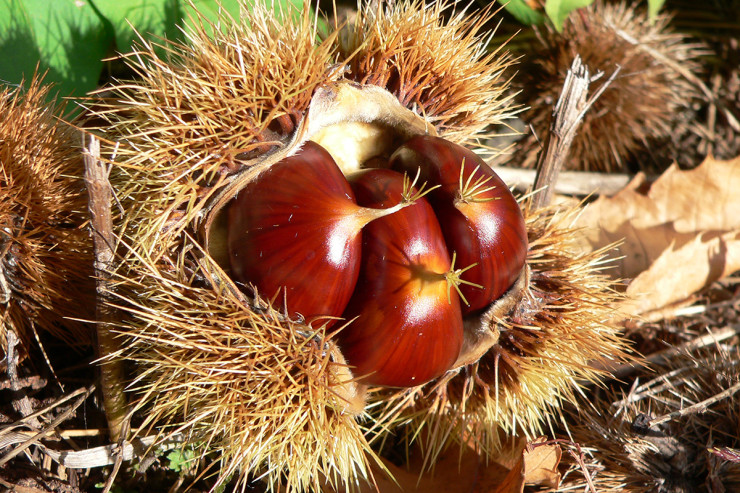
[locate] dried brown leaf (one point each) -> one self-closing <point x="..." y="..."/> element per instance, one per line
<point x="678" y="234"/>
<point x="680" y="272"/>
<point x="456" y="470"/>
<point x="541" y="465"/>
<point x="676" y="207"/>
<point x="537" y="466"/>
<point x="466" y="472"/>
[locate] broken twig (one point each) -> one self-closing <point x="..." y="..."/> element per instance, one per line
<point x="111" y="371"/>
<point x="567" y="115"/>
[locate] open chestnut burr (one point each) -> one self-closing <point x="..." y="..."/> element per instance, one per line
<point x="294" y="236"/>
<point x="267" y="389"/>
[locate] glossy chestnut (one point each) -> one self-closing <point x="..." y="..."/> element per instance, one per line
<point x="406" y="323"/>
<point x="294" y="234"/>
<point x="480" y="218"/>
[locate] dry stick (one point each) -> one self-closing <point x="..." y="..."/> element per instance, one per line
<point x="119" y="456"/>
<point x="49" y="429"/>
<point x="566" y="117"/>
<point x="696" y="408"/>
<point x="111" y="371"/>
<point x="21" y="403"/>
<point x="582" y="463"/>
<point x="569" y="182"/>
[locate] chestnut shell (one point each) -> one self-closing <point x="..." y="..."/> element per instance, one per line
<point x="404" y="329"/>
<point x="487" y="231"/>
<point x="292" y="236"/>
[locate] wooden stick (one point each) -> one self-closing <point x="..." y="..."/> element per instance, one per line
<point x="112" y="381"/>
<point x="566" y="118"/>
<point x="579" y="183"/>
<point x="699" y="407"/>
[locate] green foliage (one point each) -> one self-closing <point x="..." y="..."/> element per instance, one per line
<point x="555" y="10"/>
<point x="181" y="459"/>
<point x="68" y="39"/>
<point x="162" y="18"/>
<point x="558" y="10"/>
<point x="654" y="7"/>
<point x="522" y="12"/>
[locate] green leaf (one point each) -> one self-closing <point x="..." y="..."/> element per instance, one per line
<point x="212" y="9"/>
<point x="558" y="10"/>
<point x="654" y="7"/>
<point x="66" y="37"/>
<point x="522" y="12"/>
<point x="158" y="18"/>
<point x="181" y="459"/>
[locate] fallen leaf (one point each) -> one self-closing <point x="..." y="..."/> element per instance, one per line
<point x="541" y="464"/>
<point x="677" y="235"/>
<point x="680" y="272"/>
<point x="538" y="466"/>
<point x="677" y="206"/>
<point x="458" y="469"/>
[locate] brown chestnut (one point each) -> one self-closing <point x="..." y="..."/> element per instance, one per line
<point x="480" y="218"/>
<point x="294" y="234"/>
<point x="405" y="321"/>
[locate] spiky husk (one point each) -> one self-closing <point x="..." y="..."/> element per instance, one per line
<point x="258" y="393"/>
<point x="558" y="339"/>
<point x="648" y="100"/>
<point x="445" y="70"/>
<point x="677" y="455"/>
<point x="715" y="23"/>
<point x="253" y="392"/>
<point x="45" y="249"/>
